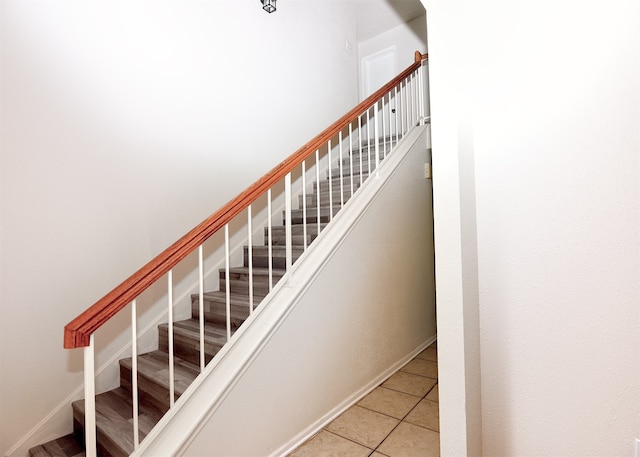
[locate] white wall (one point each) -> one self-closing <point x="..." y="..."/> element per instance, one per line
<point x="536" y="146"/>
<point x="124" y="124"/>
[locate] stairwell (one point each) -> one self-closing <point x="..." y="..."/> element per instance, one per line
<point x="114" y="408"/>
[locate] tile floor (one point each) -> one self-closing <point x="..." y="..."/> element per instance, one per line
<point x="399" y="418"/>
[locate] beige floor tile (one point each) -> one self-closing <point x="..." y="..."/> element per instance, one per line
<point x="426" y="415"/>
<point x="422" y="368"/>
<point x="390" y="402"/>
<point x="377" y="454"/>
<point x="363" y="426"/>
<point x="410" y="383"/>
<point x="433" y="395"/>
<point x="326" y="444"/>
<point x="431" y="353"/>
<point x="409" y="440"/>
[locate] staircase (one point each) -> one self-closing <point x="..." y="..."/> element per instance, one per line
<point x="114" y="408"/>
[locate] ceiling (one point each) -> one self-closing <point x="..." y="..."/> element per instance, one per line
<point x="376" y="16"/>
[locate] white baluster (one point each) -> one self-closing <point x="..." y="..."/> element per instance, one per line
<point x="407" y="106"/>
<point x="170" y="330"/>
<point x="412" y="98"/>
<point x="90" y="400"/>
<point x="421" y="90"/>
<point x="384" y="124"/>
<point x="421" y="78"/>
<point x="341" y="172"/>
<point x="351" y="158"/>
<point x="134" y="371"/>
<point x="376" y="134"/>
<point x="304" y="205"/>
<point x="401" y="109"/>
<point x="250" y="257"/>
<point x="368" y="145"/>
<point x="318" y="190"/>
<point x="269" y="241"/>
<point x="330" y="183"/>
<point x="360" y="144"/>
<point x="395" y="102"/>
<point x="287" y="225"/>
<point x="201" y="305"/>
<point x="228" y="280"/>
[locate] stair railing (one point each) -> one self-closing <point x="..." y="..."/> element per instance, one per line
<point x="374" y="127"/>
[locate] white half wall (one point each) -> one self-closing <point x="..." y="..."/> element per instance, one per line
<point x="358" y="306"/>
<point x="125" y="124"/>
<point x="536" y="147"/>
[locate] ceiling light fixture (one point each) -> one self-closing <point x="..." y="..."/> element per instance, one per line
<point x="269" y="5"/>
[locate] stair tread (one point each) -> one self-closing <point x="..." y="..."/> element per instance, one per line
<point x="66" y="446"/>
<point x="220" y="296"/>
<point x="257" y="271"/>
<point x="114" y="419"/>
<point x="298" y="229"/>
<point x="213" y="333"/>
<point x="155" y="367"/>
<point x="277" y="250"/>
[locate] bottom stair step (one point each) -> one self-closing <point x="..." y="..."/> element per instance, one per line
<point x="67" y="446"/>
<point x="114" y="422"/>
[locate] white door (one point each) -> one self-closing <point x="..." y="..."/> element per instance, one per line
<point x="377" y="70"/>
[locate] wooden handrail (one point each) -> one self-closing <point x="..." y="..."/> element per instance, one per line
<point x="77" y="332"/>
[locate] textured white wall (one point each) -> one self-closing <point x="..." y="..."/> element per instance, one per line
<point x="536" y="147"/>
<point x="124" y="124"/>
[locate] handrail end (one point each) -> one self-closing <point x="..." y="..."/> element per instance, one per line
<point x="75" y="339"/>
<point x="419" y="57"/>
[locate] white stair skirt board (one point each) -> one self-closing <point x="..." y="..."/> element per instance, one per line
<point x="292" y="350"/>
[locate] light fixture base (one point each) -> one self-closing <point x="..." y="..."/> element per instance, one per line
<point x="268" y="5"/>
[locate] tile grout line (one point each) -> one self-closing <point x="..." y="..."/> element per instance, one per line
<point x="414" y="407"/>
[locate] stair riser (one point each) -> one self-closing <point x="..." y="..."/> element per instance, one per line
<point x="296" y="230"/>
<point x="259" y="277"/>
<point x="346" y="171"/>
<point x="241" y="286"/>
<point x="296" y="240"/>
<point x="216" y="312"/>
<point x="186" y="348"/>
<point x="149" y="392"/>
<point x="297" y="215"/>
<point x="335" y="183"/>
<point x="106" y="446"/>
<point x="261" y="259"/>
<point x="312" y="199"/>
